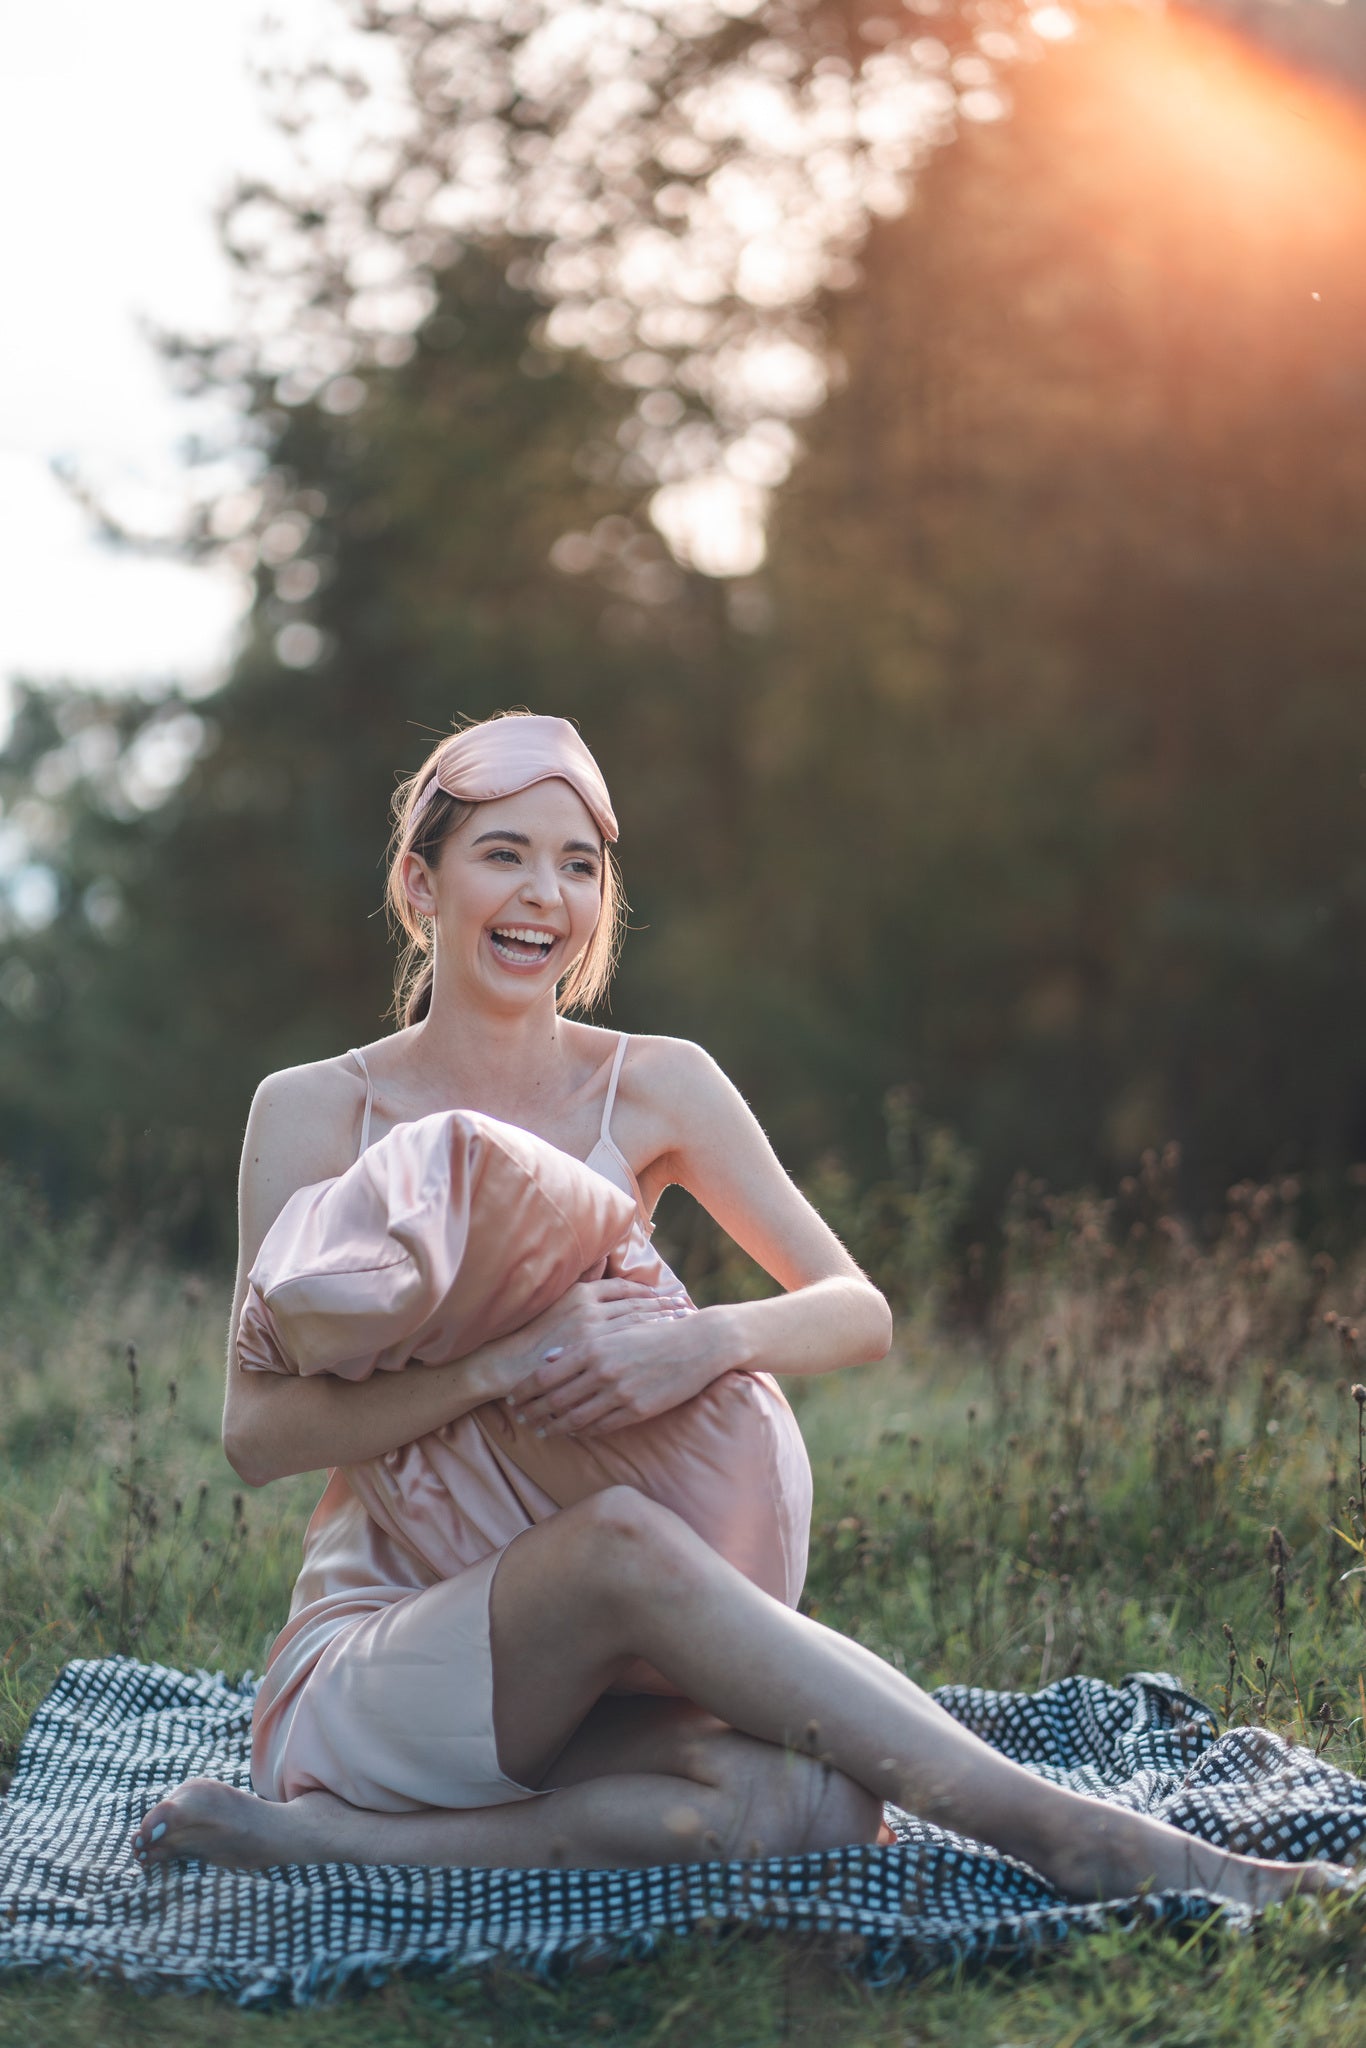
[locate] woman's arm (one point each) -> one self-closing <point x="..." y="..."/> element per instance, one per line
<point x="302" y="1129"/>
<point x="285" y="1425"/>
<point x="829" y="1316"/>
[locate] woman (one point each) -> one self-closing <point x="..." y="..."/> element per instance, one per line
<point x="784" y="1735"/>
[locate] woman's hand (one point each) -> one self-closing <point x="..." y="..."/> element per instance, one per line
<point x="582" y="1314"/>
<point x="610" y="1372"/>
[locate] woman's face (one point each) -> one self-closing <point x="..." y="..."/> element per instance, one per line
<point x="515" y="892"/>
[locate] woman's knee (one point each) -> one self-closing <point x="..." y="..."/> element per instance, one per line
<point x="628" y="1543"/>
<point x="624" y="1514"/>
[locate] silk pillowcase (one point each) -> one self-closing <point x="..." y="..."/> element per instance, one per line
<point x="455" y="1230"/>
<point x="448" y="1233"/>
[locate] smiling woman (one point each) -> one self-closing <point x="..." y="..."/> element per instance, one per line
<point x="429" y="811"/>
<point x="460" y="1678"/>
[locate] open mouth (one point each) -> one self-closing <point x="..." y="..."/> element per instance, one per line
<point x="522" y="945"/>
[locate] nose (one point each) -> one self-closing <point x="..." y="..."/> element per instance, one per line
<point x="541" y="884"/>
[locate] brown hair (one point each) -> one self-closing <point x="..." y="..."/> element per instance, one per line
<point x="586" y="981"/>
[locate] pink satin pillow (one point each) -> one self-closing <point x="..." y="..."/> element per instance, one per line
<point x="446" y="1234"/>
<point x="730" y="1461"/>
<point x="455" y="1230"/>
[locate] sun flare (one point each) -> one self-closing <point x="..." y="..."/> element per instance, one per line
<point x="1225" y="138"/>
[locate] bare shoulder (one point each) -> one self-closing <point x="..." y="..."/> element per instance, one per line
<point x="678" y="1086"/>
<point x="667" y="1068"/>
<point x="303" y="1125"/>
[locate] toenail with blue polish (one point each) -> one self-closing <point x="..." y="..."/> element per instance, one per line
<point x="158" y="1831"/>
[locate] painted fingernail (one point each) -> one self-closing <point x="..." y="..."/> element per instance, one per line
<point x="551" y="1356"/>
<point x="158" y="1831"/>
<point x="540" y="1433"/>
<point x="521" y="1418"/>
<point x="137" y="1841"/>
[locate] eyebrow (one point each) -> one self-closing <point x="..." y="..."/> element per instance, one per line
<point x="521" y="839"/>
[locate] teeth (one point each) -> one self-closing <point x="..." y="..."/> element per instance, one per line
<point x="524" y="935"/>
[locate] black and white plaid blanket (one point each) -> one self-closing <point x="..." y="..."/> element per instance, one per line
<point x="114" y="1735"/>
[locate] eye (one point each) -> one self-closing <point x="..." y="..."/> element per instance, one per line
<point x="502" y="853"/>
<point x="585" y="867"/>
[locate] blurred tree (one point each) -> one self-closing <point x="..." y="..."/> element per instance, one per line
<point x="446" y="380"/>
<point x="404" y="578"/>
<point x="1026" y="774"/>
<point x="1070" y="667"/>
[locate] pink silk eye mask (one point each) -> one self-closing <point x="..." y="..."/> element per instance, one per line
<point x="455" y="1230"/>
<point x="502" y="755"/>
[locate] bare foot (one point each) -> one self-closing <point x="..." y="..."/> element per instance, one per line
<point x="1124" y="1854"/>
<point x="211" y="1820"/>
<point x="1260" y="1883"/>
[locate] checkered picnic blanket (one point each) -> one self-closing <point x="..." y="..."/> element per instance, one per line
<point x="114" y="1735"/>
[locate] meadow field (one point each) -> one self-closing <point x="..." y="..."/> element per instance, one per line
<point x="1142" y="1449"/>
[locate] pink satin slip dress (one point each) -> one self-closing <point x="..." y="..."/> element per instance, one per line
<point x="379" y="1688"/>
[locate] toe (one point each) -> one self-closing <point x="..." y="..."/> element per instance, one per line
<point x="150" y="1839"/>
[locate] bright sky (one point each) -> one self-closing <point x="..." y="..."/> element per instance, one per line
<point x="120" y="126"/>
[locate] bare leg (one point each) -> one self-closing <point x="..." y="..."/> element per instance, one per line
<point x="782" y="1802"/>
<point x="644" y="1781"/>
<point x="617" y="1577"/>
<point x="626" y="1577"/>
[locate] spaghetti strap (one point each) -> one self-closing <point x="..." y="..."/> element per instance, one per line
<point x="615" y="1076"/>
<point x="359" y="1058"/>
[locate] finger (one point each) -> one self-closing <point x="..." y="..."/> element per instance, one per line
<point x="548" y="1408"/>
<point x="618" y="1288"/>
<point x="560" y="1366"/>
<point x="552" y="1421"/>
<point x="608" y="1424"/>
<point x="562" y="1361"/>
<point x="580" y="1405"/>
<point x="587" y="1418"/>
<point x="638" y="1311"/>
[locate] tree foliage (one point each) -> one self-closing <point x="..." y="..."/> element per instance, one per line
<point x="1098" y="454"/>
<point x="1027" y="772"/>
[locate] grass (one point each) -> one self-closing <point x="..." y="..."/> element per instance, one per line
<point x="1147" y="1453"/>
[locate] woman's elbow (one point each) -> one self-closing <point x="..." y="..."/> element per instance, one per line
<point x="246" y="1458"/>
<point x="878" y="1324"/>
<point x="253" y="1451"/>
